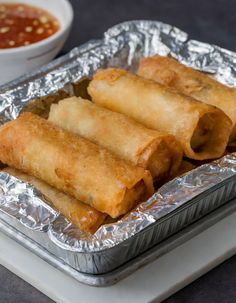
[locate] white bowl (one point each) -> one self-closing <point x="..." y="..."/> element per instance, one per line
<point x="15" y="62"/>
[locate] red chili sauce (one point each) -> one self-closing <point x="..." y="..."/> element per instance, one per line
<point x="22" y="24"/>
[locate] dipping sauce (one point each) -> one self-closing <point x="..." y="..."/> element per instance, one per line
<point x="22" y="24"/>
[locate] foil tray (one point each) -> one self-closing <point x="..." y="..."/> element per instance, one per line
<point x="131" y="266"/>
<point x="174" y="206"/>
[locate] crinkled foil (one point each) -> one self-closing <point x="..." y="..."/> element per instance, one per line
<point x="123" y="46"/>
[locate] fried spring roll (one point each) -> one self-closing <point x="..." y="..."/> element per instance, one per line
<point x="203" y="130"/>
<point x="191" y="82"/>
<point x="73" y="164"/>
<point x="160" y="153"/>
<point x="87" y="218"/>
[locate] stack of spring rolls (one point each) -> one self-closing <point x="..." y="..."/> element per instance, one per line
<point x="95" y="161"/>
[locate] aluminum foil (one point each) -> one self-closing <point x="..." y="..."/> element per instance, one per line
<point x="123" y="46"/>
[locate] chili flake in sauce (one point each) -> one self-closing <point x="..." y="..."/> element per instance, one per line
<point x="22" y="24"/>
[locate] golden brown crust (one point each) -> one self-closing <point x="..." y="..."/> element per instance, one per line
<point x="127" y="139"/>
<point x="186" y="80"/>
<point x="87" y="218"/>
<point x="70" y="163"/>
<point x="161" y="108"/>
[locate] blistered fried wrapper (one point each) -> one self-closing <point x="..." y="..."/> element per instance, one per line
<point x="122" y="46"/>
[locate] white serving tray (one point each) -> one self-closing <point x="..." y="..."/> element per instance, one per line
<point x="153" y="282"/>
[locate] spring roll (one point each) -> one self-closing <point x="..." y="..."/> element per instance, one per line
<point x="87" y="218"/>
<point x="202" y="129"/>
<point x="160" y="153"/>
<point x="191" y="82"/>
<point x="73" y="165"/>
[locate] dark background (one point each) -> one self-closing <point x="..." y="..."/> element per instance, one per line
<point x="212" y="21"/>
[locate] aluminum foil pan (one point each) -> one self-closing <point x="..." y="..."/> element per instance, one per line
<point x="176" y="204"/>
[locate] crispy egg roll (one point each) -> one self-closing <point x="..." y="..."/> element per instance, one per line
<point x="73" y="164"/>
<point x="191" y="82"/>
<point x="87" y="218"/>
<point x="158" y="152"/>
<point x="203" y="130"/>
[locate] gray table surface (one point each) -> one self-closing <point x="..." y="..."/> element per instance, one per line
<point x="212" y="21"/>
